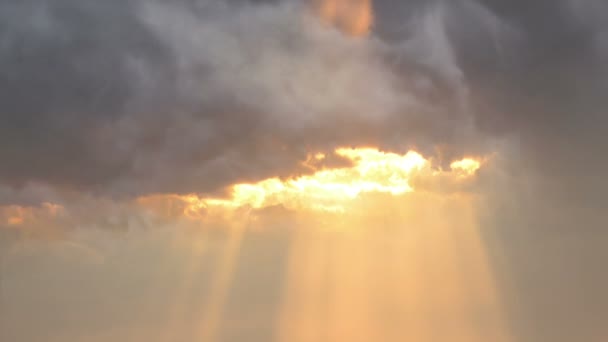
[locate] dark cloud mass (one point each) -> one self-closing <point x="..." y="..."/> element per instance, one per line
<point x="147" y="96"/>
<point x="65" y="74"/>
<point x="141" y="96"/>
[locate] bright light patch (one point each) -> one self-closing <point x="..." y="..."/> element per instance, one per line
<point x="373" y="171"/>
<point x="354" y="17"/>
<point x="330" y="189"/>
<point x="14" y="221"/>
<point x="327" y="189"/>
<point x="466" y="167"/>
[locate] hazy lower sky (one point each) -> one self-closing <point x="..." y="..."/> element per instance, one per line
<point x="303" y="170"/>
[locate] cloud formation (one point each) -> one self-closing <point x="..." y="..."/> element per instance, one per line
<point x="144" y="96"/>
<point x="195" y="95"/>
<point x="104" y="102"/>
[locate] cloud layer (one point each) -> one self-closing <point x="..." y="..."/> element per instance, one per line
<point x="192" y="96"/>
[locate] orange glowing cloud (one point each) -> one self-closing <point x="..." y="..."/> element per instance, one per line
<point x="354" y="17"/>
<point x="373" y="171"/>
<point x="329" y="190"/>
<point x="17" y="216"/>
<point x="15" y="220"/>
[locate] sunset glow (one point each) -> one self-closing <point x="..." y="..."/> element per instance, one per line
<point x="303" y="171"/>
<point x="330" y="189"/>
<point x="354" y="17"/>
<point x="373" y="171"/>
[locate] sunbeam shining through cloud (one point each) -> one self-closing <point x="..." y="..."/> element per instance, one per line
<point x="331" y="189"/>
<point x="303" y="171"/>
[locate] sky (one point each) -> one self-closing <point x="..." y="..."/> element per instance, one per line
<point x="303" y="170"/>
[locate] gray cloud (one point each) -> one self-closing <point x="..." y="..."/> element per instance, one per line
<point x="146" y="96"/>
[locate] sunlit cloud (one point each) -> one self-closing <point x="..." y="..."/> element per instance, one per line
<point x="372" y="171"/>
<point x="354" y="17"/>
<point x="327" y="189"/>
<point x="466" y="166"/>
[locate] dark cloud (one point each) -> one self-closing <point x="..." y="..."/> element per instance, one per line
<point x="536" y="77"/>
<point x="545" y="85"/>
<point x="146" y="96"/>
<point x="66" y="72"/>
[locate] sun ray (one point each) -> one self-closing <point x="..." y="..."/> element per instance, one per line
<point x="221" y="282"/>
<point x="393" y="279"/>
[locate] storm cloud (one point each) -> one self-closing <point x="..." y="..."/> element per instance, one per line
<point x="145" y="96"/>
